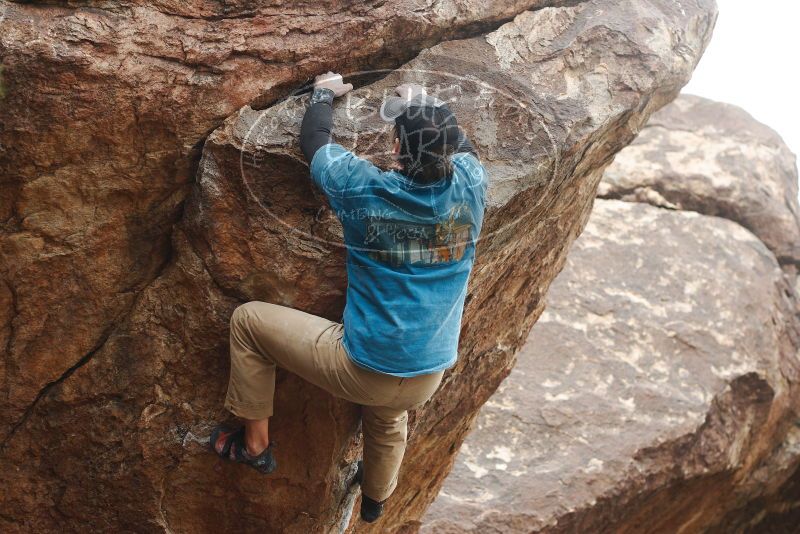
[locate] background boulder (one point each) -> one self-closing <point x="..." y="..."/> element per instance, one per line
<point x="715" y="159"/>
<point x="659" y="390"/>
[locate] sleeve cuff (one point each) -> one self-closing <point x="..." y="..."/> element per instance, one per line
<point x="322" y="94"/>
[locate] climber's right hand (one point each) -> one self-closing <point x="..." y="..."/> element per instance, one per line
<point x="334" y="82"/>
<point x="409" y="90"/>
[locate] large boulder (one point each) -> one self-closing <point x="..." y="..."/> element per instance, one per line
<point x="104" y="111"/>
<point x="117" y="441"/>
<point x="715" y="159"/>
<point x="660" y="389"/>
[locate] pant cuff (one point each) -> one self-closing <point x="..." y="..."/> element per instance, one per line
<point x="379" y="494"/>
<point x="248" y="411"/>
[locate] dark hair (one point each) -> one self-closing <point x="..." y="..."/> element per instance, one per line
<point x="425" y="149"/>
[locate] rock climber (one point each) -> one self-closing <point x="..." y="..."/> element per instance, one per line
<point x="410" y="235"/>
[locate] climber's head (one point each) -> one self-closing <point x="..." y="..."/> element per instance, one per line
<point x="426" y="135"/>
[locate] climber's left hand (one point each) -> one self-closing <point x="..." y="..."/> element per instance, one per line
<point x="334" y="82"/>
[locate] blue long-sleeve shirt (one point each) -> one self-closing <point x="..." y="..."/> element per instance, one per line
<point x="410" y="250"/>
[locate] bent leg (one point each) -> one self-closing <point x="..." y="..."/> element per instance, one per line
<point x="265" y="335"/>
<point x="251" y="385"/>
<point x="385" y="433"/>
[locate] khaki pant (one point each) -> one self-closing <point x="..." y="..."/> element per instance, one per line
<point x="265" y="335"/>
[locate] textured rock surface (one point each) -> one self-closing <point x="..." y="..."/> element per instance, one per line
<point x="105" y="112"/>
<point x="659" y="390"/>
<point x="588" y="75"/>
<point x="715" y="159"/>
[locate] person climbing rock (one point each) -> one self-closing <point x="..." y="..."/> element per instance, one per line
<point x="410" y="234"/>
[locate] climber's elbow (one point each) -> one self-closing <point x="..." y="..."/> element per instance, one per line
<point x="310" y="148"/>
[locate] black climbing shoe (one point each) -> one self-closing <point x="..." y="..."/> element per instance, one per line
<point x="229" y="444"/>
<point x="370" y="509"/>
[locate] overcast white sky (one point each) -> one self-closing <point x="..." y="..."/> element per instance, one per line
<point x="752" y="62"/>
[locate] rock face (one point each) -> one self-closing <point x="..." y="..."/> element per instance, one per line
<point x="660" y="390"/>
<point x="115" y="440"/>
<point x="105" y="111"/>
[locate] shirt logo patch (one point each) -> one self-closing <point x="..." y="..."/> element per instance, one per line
<point x="399" y="242"/>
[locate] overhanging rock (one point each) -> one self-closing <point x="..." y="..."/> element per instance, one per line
<point x="588" y="76"/>
<point x="104" y="109"/>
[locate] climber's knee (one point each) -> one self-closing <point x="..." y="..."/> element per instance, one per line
<point x="237" y="315"/>
<point x="383" y="425"/>
<point x="240" y="314"/>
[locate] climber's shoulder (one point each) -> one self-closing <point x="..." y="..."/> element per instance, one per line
<point x="470" y="172"/>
